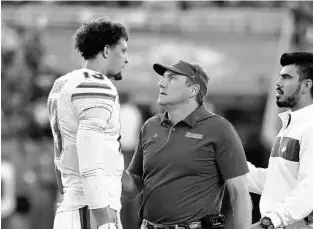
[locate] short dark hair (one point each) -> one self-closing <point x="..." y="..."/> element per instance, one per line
<point x="91" y="37"/>
<point x="204" y="78"/>
<point x="304" y="63"/>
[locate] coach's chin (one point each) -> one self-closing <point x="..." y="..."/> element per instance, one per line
<point x="130" y="188"/>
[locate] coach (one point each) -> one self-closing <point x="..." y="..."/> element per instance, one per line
<point x="186" y="156"/>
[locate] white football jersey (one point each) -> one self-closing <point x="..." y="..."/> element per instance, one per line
<point x="71" y="94"/>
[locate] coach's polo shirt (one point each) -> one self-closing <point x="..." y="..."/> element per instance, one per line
<point x="184" y="166"/>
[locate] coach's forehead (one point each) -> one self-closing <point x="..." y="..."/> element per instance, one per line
<point x="168" y="73"/>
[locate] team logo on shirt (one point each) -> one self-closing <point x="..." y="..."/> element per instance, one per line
<point x="193" y="135"/>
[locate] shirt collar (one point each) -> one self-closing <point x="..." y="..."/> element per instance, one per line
<point x="197" y="115"/>
<point x="299" y="115"/>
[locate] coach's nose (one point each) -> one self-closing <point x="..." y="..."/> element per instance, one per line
<point x="163" y="82"/>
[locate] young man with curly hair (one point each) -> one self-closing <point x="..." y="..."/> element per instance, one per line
<point x="84" y="115"/>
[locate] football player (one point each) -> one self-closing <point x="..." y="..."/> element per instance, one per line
<point x="84" y="116"/>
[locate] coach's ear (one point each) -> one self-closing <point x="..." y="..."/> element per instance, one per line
<point x="106" y="52"/>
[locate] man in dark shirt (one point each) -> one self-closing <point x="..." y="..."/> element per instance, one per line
<point x="186" y="156"/>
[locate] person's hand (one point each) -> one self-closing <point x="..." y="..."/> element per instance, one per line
<point x="129" y="186"/>
<point x="108" y="226"/>
<point x="105" y="215"/>
<point x="256" y="225"/>
<point x="113" y="214"/>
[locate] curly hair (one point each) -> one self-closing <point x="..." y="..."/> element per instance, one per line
<point x="91" y="38"/>
<point x="304" y="63"/>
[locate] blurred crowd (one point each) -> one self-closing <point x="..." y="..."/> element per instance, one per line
<point x="27" y="75"/>
<point x="26" y="78"/>
<point x="184" y="5"/>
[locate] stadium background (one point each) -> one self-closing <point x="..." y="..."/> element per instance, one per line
<point x="237" y="42"/>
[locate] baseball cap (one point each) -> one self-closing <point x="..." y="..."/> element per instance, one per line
<point x="183" y="68"/>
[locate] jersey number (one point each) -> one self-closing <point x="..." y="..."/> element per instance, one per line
<point x="57" y="137"/>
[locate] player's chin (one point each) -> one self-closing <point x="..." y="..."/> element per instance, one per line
<point x="118" y="76"/>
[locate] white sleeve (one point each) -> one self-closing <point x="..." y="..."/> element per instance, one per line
<point x="299" y="204"/>
<point x="90" y="148"/>
<point x="256" y="179"/>
<point x="93" y="94"/>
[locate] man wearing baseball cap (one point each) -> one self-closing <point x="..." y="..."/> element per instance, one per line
<point x="186" y="156"/>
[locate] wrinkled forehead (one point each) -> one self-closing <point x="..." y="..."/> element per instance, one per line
<point x="169" y="73"/>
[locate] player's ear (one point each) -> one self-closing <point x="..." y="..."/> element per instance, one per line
<point x="106" y="52"/>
